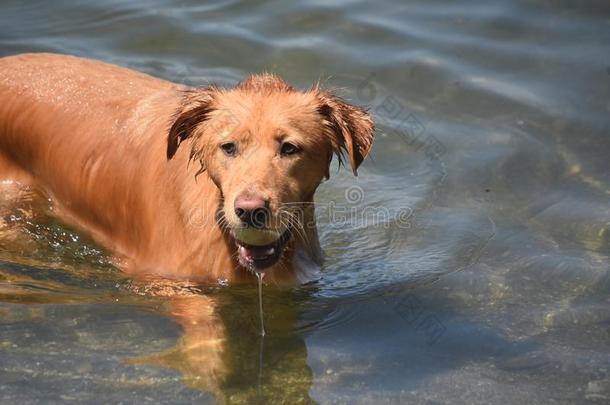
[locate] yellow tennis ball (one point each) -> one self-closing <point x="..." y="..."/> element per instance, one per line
<point x="257" y="237"/>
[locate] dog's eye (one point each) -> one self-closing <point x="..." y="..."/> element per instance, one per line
<point x="229" y="148"/>
<point x="288" y="149"/>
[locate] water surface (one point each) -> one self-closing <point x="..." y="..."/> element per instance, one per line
<point x="468" y="263"/>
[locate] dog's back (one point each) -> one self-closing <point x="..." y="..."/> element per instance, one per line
<point x="55" y="102"/>
<point x="93" y="137"/>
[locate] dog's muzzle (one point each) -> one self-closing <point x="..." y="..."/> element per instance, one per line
<point x="262" y="252"/>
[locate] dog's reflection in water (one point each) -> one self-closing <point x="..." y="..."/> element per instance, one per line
<point x="221" y="350"/>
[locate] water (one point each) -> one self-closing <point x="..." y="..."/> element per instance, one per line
<point x="468" y="263"/>
<point x="260" y="276"/>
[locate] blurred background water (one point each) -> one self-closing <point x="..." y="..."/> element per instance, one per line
<point x="468" y="263"/>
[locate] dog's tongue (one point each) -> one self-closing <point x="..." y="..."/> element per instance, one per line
<point x="252" y="253"/>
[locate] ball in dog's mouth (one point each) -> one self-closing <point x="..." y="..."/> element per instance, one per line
<point x="258" y="249"/>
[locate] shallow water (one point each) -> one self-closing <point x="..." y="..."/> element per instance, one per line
<point x="468" y="263"/>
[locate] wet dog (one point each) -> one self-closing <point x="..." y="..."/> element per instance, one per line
<point x="203" y="184"/>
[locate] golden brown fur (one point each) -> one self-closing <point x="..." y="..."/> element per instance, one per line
<point x="105" y="143"/>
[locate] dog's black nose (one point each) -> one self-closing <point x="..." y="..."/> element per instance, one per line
<point x="252" y="210"/>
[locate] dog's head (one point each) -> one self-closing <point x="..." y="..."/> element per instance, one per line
<point x="267" y="147"/>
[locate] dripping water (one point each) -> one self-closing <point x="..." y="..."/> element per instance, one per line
<point x="259" y="276"/>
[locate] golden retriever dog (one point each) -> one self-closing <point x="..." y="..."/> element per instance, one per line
<point x="203" y="184"/>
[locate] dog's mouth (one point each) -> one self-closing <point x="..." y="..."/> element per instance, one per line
<point x="259" y="249"/>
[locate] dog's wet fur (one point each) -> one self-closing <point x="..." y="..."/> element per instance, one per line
<point x="163" y="175"/>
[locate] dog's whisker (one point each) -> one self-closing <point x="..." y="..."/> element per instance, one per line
<point x="292" y="223"/>
<point x="296" y="223"/>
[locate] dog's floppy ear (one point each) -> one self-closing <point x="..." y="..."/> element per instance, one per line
<point x="351" y="128"/>
<point x="195" y="109"/>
